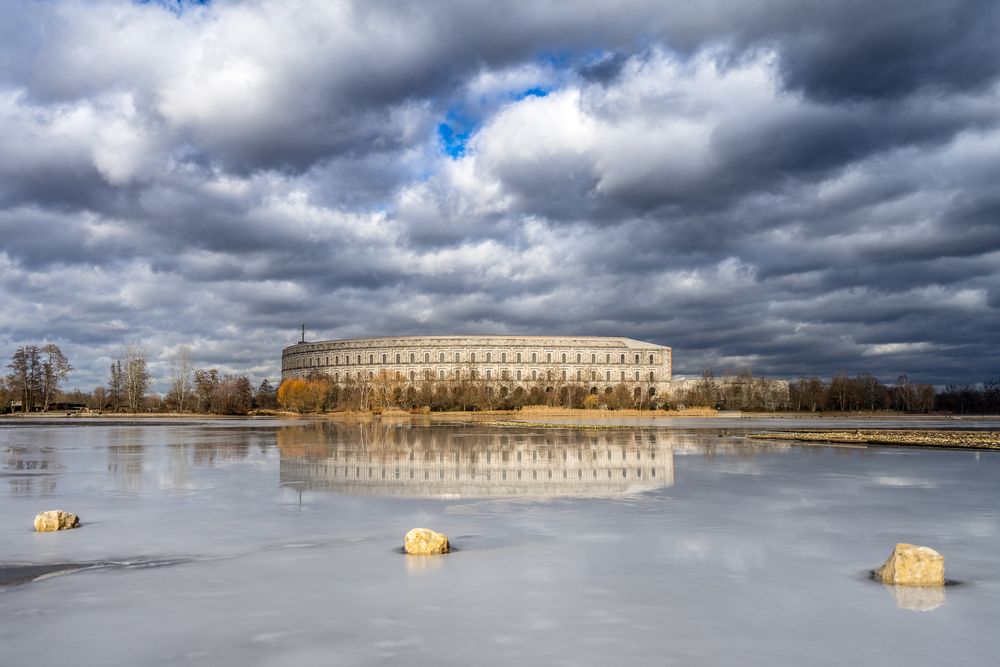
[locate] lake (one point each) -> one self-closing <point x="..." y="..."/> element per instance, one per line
<point x="278" y="542"/>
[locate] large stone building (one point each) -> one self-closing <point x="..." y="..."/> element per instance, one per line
<point x="506" y="363"/>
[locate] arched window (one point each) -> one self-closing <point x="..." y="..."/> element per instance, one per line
<point x="548" y="357"/>
<point x="336" y="360"/>
<point x="503" y="357"/>
<point x="472" y="357"/>
<point x="622" y="359"/>
<point x="503" y="374"/>
<point x="607" y="359"/>
<point x="593" y="358"/>
<point x="383" y="358"/>
<point x="371" y="358"/>
<point x="336" y="377"/>
<point x="637" y="358"/>
<point x="370" y="375"/>
<point x="578" y="357"/>
<point x="652" y="376"/>
<point x="650" y="358"/>
<point x="442" y="357"/>
<point x="397" y="357"/>
<point x="413" y="376"/>
<point x="442" y="374"/>
<point x="578" y="376"/>
<point x="564" y="375"/>
<point x="519" y="374"/>
<point x="458" y="357"/>
<point x="608" y="374"/>
<point x="637" y="376"/>
<point x="623" y="376"/>
<point x="518" y="357"/>
<point x="488" y="374"/>
<point x="564" y="357"/>
<point x="489" y="357"/>
<point x="534" y="357"/>
<point x="534" y="375"/>
<point x="593" y="375"/>
<point x="326" y="361"/>
<point x="359" y="360"/>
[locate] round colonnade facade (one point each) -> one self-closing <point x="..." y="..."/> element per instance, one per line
<point x="598" y="363"/>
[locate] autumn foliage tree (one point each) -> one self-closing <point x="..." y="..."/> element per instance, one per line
<point x="303" y="395"/>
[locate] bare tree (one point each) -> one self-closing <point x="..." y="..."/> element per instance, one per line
<point x="180" y="377"/>
<point x="264" y="398"/>
<point x="5" y="396"/>
<point x="205" y="385"/>
<point x="98" y="399"/>
<point x="233" y="396"/>
<point x="116" y="384"/>
<point x="25" y="378"/>
<point x="136" y="376"/>
<point x="55" y="368"/>
<point x="384" y="388"/>
<point x="904" y="396"/>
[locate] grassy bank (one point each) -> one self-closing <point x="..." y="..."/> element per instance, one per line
<point x="948" y="439"/>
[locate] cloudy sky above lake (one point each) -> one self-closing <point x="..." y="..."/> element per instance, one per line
<point x="792" y="187"/>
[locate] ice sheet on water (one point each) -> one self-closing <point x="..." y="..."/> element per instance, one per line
<point x="741" y="555"/>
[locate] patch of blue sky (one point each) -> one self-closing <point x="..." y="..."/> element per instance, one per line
<point x="568" y="62"/>
<point x="462" y="121"/>
<point x="454" y="133"/>
<point x="535" y="91"/>
<point x="177" y="7"/>
<point x="464" y="118"/>
<point x="558" y="60"/>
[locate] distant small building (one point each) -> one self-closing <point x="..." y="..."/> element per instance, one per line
<point x="67" y="407"/>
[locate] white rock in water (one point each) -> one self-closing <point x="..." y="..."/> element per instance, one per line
<point x="426" y="542"/>
<point x="53" y="520"/>
<point x="911" y="565"/>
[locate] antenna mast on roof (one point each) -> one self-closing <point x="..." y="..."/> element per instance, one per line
<point x="303" y="333"/>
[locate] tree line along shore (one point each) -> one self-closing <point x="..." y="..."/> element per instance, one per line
<point x="38" y="375"/>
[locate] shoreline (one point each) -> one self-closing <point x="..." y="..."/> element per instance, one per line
<point x="542" y="411"/>
<point x="933" y="438"/>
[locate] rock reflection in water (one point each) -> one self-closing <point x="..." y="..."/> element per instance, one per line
<point x="436" y="461"/>
<point x="917" y="598"/>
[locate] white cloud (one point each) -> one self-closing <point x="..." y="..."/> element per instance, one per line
<point x="897" y="348"/>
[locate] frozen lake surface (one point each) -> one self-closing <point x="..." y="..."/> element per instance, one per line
<point x="256" y="542"/>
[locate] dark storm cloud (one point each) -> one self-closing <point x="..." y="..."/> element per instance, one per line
<point x="797" y="188"/>
<point x="857" y="50"/>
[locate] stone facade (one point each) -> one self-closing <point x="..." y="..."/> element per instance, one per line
<point x="596" y="362"/>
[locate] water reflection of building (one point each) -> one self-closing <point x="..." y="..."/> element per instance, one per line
<point x="30" y="470"/>
<point x="411" y="460"/>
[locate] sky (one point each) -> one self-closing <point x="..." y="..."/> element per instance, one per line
<point x="795" y="188"/>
